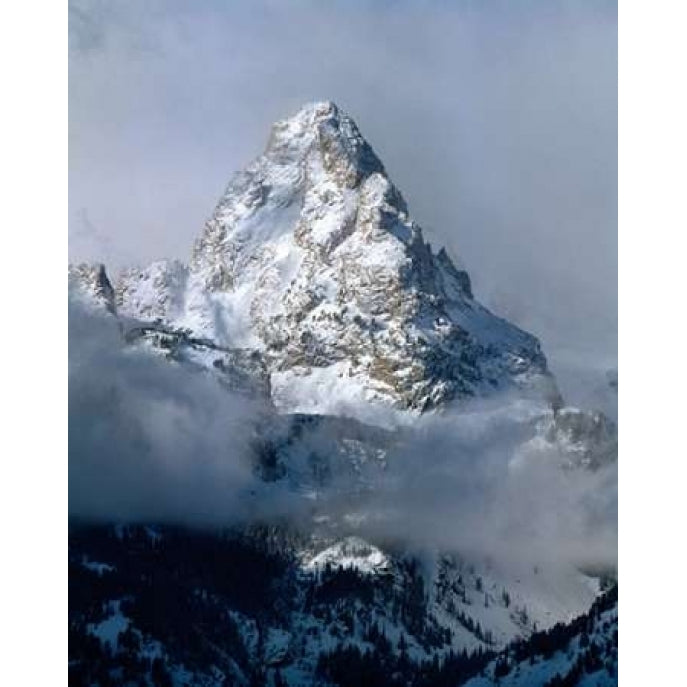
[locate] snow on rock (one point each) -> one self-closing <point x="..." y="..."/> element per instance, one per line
<point x="351" y="552"/>
<point x="91" y="286"/>
<point x="156" y="292"/>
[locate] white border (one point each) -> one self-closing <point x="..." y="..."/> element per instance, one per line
<point x="652" y="336"/>
<point x="652" y="220"/>
<point x="33" y="287"/>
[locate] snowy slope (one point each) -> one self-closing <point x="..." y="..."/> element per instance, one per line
<point x="155" y="292"/>
<point x="583" y="653"/>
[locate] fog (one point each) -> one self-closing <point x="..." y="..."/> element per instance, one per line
<point x="474" y="482"/>
<point x="496" y="120"/>
<point x="151" y="440"/>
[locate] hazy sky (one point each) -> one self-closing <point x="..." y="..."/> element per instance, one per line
<point x="497" y="120"/>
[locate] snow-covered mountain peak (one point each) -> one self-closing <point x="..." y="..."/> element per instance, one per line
<point x="305" y="186"/>
<point x="321" y="129"/>
<point x="312" y="259"/>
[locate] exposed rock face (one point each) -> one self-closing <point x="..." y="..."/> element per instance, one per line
<point x="311" y="258"/>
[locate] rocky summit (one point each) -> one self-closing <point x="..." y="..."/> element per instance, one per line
<point x="312" y="260"/>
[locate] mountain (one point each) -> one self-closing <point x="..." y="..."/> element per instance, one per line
<point x="582" y="652"/>
<point x="312" y="259"/>
<point x="312" y="289"/>
<point x="266" y="606"/>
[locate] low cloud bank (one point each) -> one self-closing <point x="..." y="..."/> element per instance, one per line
<point x="150" y="440"/>
<point x="484" y="482"/>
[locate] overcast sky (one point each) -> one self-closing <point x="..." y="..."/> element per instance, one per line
<point x="497" y="120"/>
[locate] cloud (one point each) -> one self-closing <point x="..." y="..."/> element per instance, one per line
<point x="149" y="439"/>
<point x="498" y="121"/>
<point x="481" y="482"/>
